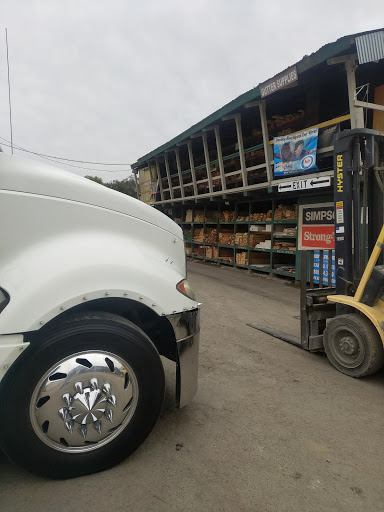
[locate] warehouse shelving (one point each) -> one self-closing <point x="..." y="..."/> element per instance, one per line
<point x="273" y="260"/>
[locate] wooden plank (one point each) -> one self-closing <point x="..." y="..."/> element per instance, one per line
<point x="357" y="113"/>
<point x="378" y="117"/>
<point x="177" y="153"/>
<point x="159" y="179"/>
<point x="192" y="166"/>
<point x="330" y="122"/>
<point x="168" y="175"/>
<point x="220" y="157"/>
<point x="241" y="149"/>
<point x="366" y="104"/>
<point x="207" y="163"/>
<point x="267" y="148"/>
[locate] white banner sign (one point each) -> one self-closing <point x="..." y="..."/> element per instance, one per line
<point x="307" y="184"/>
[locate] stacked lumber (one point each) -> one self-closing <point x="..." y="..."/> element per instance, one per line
<point x="188" y="216"/>
<point x="261" y="217"/>
<point x="242" y="258"/>
<point x="211" y="236"/>
<point x="211" y="216"/>
<point x="227" y="216"/>
<point x="265" y="244"/>
<point x="267" y="228"/>
<point x="241" y="239"/>
<point x="199" y="216"/>
<point x="215" y="174"/>
<point x="284" y="246"/>
<point x="256" y="238"/>
<point x="285" y="124"/>
<point x="211" y="252"/>
<point x="259" y="259"/>
<point x="188" y="249"/>
<point x="286" y="232"/>
<point x="244" y="218"/>
<point x="226" y="254"/>
<point x="255" y="158"/>
<point x="198" y="235"/>
<point x="226" y="237"/>
<point x="286" y="212"/>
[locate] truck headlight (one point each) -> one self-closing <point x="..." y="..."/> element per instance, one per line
<point x="185" y="288"/>
<point x="4" y="299"/>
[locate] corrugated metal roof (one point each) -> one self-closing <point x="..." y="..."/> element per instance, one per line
<point x="326" y="52"/>
<point x="370" y="47"/>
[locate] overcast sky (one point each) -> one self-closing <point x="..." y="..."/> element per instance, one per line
<point x="109" y="81"/>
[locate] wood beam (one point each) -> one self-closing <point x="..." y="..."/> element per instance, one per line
<point x="177" y="153"/>
<point x="168" y="175"/>
<point x="137" y="186"/>
<point x="207" y="162"/>
<point x="366" y="104"/>
<point x="192" y="166"/>
<point x="241" y="149"/>
<point x="267" y="147"/>
<point x="159" y="179"/>
<point x="220" y="158"/>
<point x="357" y="113"/>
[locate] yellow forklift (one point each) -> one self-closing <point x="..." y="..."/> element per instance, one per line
<point x="354" y="338"/>
<point x="347" y="322"/>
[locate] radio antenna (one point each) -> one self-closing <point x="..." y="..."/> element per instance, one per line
<point x="9" y="91"/>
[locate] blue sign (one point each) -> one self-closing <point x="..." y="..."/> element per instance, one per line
<point x="295" y="154"/>
<point x="324" y="270"/>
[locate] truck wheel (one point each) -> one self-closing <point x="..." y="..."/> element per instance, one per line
<point x="353" y="345"/>
<point x="82" y="398"/>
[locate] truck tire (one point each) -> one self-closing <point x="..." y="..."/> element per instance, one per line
<point x="353" y="345"/>
<point x="81" y="398"/>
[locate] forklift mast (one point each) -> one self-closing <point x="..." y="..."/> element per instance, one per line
<point x="358" y="158"/>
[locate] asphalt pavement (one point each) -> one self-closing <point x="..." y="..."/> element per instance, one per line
<point x="272" y="427"/>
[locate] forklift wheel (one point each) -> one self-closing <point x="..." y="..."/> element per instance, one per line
<point x="353" y="345"/>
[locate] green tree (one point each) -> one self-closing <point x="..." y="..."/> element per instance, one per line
<point x="96" y="179"/>
<point x="126" y="186"/>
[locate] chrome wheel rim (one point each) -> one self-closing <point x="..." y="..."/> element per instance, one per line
<point x="348" y="348"/>
<point x="84" y="401"/>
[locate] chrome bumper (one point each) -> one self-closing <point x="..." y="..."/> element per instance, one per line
<point x="186" y="327"/>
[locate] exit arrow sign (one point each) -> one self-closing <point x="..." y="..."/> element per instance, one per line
<point x="305" y="184"/>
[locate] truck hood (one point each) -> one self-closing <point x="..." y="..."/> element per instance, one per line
<point x="32" y="177"/>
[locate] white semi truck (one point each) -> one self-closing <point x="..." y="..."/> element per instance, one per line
<point x="93" y="290"/>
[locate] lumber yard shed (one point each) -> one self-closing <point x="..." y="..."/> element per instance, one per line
<point x="236" y="180"/>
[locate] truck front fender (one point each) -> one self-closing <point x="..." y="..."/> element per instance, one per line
<point x="48" y="268"/>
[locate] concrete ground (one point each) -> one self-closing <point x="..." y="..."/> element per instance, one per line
<point x="272" y="428"/>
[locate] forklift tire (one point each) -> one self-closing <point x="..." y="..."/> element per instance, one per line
<point x="353" y="345"/>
